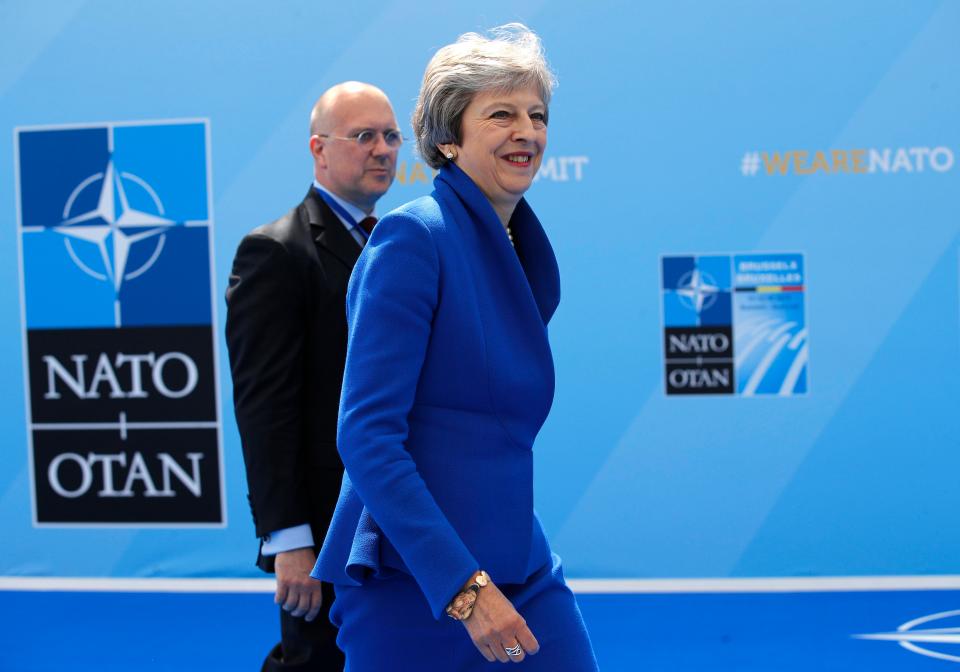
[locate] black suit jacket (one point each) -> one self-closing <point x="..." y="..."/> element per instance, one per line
<point x="287" y="339"/>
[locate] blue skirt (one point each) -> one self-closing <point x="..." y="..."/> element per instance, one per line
<point x="386" y="624"/>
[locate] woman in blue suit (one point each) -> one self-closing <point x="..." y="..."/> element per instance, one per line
<point x="449" y="377"/>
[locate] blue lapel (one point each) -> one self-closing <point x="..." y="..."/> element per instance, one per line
<point x="538" y="277"/>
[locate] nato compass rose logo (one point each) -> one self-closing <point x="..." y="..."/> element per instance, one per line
<point x="697" y="290"/>
<point x="933" y="642"/>
<point x="115" y="224"/>
<point x="113" y="227"/>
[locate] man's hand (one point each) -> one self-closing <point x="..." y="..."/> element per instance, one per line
<point x="296" y="590"/>
<point x="495" y="626"/>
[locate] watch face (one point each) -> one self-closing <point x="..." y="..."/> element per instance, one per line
<point x="482" y="579"/>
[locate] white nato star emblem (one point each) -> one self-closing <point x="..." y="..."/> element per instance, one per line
<point x="697" y="290"/>
<point x="113" y="226"/>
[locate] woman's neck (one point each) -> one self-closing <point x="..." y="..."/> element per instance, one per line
<point x="504" y="212"/>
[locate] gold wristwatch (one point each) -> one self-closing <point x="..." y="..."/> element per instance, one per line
<point x="462" y="604"/>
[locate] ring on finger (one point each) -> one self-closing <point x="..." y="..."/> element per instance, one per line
<point x="513" y="650"/>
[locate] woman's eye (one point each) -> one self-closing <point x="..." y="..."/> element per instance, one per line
<point x="500" y="114"/>
<point x="539" y="117"/>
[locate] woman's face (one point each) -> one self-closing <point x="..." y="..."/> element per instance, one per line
<point x="504" y="135"/>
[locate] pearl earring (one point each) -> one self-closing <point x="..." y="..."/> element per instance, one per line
<point x="450" y="155"/>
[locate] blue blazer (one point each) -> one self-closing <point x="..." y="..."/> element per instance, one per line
<point x="449" y="377"/>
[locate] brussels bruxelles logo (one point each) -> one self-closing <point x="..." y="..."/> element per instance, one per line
<point x="734" y="324"/>
<point x="123" y="413"/>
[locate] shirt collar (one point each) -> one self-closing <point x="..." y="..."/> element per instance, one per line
<point x="354" y="211"/>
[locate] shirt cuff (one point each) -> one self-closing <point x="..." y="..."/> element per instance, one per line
<point x="287" y="539"/>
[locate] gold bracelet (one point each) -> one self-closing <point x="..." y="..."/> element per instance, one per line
<point x="462" y="604"/>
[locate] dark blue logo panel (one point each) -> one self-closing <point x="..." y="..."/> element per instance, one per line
<point x="116" y="264"/>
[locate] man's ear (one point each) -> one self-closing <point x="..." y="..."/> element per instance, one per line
<point x="317" y="146"/>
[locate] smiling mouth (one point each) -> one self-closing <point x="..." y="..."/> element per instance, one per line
<point x="518" y="159"/>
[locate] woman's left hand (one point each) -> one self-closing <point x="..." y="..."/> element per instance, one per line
<point x="495" y="626"/>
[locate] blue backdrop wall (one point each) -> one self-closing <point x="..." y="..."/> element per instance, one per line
<point x="754" y="207"/>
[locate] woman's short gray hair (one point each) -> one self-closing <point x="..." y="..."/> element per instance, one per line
<point x="511" y="58"/>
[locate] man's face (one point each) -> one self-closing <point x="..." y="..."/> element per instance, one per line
<point x="358" y="174"/>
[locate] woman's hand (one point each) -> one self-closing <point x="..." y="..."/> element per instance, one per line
<point x="494" y="626"/>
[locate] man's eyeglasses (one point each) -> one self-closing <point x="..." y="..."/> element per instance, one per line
<point x="368" y="137"/>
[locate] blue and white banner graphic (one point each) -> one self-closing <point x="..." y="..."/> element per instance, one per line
<point x="770" y="330"/>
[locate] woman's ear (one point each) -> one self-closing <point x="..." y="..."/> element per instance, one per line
<point x="449" y="151"/>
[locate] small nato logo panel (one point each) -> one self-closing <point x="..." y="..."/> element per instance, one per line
<point x="116" y="262"/>
<point x="734" y="324"/>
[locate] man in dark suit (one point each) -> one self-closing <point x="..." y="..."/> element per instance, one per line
<point x="287" y="338"/>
